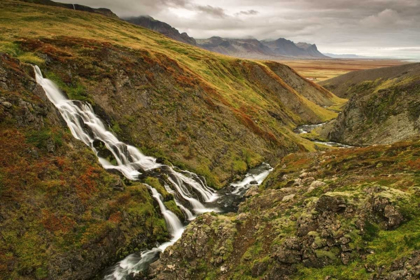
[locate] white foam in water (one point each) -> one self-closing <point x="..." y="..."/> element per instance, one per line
<point x="240" y="186"/>
<point x="191" y="192"/>
<point x="87" y="127"/>
<point x="77" y="115"/>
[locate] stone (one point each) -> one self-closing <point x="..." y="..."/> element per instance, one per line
<point x="330" y="203"/>
<point x="297" y="182"/>
<point x="288" y="197"/>
<point x="308" y="180"/>
<point x="394" y="217"/>
<point x="252" y="191"/>
<point x="119" y="185"/>
<point x="303" y="175"/>
<point x="317" y="184"/>
<point x="6" y="104"/>
<point x="345" y="258"/>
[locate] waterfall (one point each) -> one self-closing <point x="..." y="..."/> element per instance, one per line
<point x="190" y="191"/>
<point x="175" y="227"/>
<point x="74" y="7"/>
<point x="254" y="177"/>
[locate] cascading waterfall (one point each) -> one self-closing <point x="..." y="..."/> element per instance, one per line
<point x="254" y="177"/>
<point x="190" y="192"/>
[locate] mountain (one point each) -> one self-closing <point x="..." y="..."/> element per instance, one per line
<point x="115" y="138"/>
<point x="384" y="106"/>
<point x="62" y="216"/>
<point x="252" y="48"/>
<point x="161" y="27"/>
<point x="246" y="48"/>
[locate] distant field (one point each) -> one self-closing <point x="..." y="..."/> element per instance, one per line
<point x="320" y="70"/>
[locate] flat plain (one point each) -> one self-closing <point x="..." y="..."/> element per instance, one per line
<point x="324" y="69"/>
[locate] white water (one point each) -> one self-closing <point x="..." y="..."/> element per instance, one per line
<point x="191" y="192"/>
<point x="251" y="179"/>
<point x="303" y="129"/>
<point x="74" y="7"/>
<point x="307" y="128"/>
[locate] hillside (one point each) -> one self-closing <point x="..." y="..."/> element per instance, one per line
<point x="384" y="106"/>
<point x="356" y="82"/>
<point x="61" y="215"/>
<point x="161" y="27"/>
<point x="255" y="49"/>
<point x="76" y="7"/>
<point x="148" y="85"/>
<point x="343" y="214"/>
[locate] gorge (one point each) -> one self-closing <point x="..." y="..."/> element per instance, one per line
<point x="190" y="192"/>
<point x="125" y="154"/>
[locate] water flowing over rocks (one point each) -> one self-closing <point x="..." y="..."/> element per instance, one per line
<point x="290" y="226"/>
<point x="190" y="191"/>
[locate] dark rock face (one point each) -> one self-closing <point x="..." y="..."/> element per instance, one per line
<point x="252" y="48"/>
<point x="329" y="203"/>
<point x="336" y="224"/>
<point x="384" y="106"/>
<point x="163" y="28"/>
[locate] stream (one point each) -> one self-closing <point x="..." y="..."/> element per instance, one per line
<point x="190" y="191"/>
<point x="307" y="128"/>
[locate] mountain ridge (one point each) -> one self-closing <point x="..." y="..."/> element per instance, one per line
<point x="161" y="27"/>
<point x="243" y="48"/>
<point x="208" y="113"/>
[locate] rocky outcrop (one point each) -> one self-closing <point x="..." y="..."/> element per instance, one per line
<point x="255" y="49"/>
<point x="357" y="82"/>
<point x="62" y="216"/>
<point x="299" y="228"/>
<point x="163" y="28"/>
<point x="383" y="112"/>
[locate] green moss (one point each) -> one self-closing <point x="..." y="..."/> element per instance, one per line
<point x="14" y="50"/>
<point x="371" y="231"/>
<point x="239" y="166"/>
<point x="74" y="90"/>
<point x="40" y="138"/>
<point x="171" y="205"/>
<point x="155" y="183"/>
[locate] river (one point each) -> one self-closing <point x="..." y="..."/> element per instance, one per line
<point x="191" y="192"/>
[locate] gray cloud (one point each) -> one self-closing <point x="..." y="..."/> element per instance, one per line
<point x="213" y="11"/>
<point x="247" y="13"/>
<point x="365" y="27"/>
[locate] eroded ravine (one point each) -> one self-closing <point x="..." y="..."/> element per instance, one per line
<point x="308" y="128"/>
<point x="190" y="191"/>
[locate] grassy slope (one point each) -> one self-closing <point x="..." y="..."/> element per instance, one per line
<point x="290" y="230"/>
<point x="60" y="215"/>
<point x="383" y="108"/>
<point x="360" y="81"/>
<point x="235" y="97"/>
<point x="326" y="69"/>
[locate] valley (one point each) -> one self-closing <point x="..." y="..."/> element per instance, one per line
<point x="321" y="70"/>
<point x="136" y="153"/>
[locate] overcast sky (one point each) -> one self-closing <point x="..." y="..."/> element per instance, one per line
<point x="365" y="27"/>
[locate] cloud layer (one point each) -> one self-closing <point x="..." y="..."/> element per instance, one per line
<point x="364" y="27"/>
